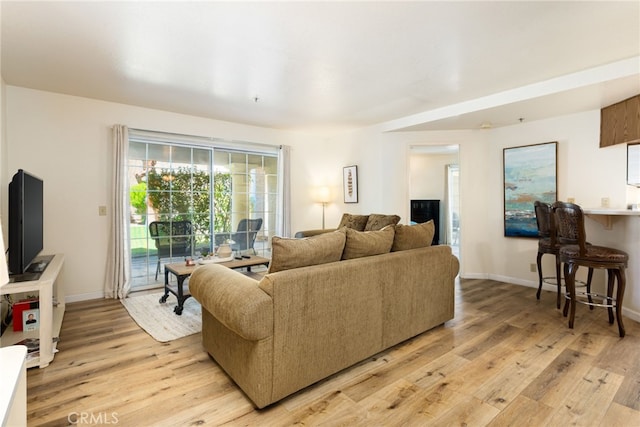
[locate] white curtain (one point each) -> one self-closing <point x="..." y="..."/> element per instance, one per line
<point x="283" y="226"/>
<point x="118" y="275"/>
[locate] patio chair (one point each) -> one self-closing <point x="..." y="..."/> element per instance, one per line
<point x="172" y="238"/>
<point x="244" y="237"/>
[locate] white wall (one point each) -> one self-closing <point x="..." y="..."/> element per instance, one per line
<point x="473" y="183"/>
<point x="66" y="141"/>
<point x="319" y="159"/>
<point x="585" y="172"/>
<point x="427" y="172"/>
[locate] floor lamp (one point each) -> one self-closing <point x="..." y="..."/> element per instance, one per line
<point x="323" y="196"/>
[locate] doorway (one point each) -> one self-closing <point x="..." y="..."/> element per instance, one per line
<point x="434" y="173"/>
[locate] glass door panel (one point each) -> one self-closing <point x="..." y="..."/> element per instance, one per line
<point x="211" y="189"/>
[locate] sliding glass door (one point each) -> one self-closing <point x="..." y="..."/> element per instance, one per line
<point x="187" y="200"/>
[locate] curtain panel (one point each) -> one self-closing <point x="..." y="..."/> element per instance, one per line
<point x="283" y="227"/>
<point x="118" y="274"/>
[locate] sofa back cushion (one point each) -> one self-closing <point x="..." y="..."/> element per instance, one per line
<point x="413" y="236"/>
<point x="294" y="253"/>
<point x="378" y="221"/>
<point x="367" y="243"/>
<point x="355" y="222"/>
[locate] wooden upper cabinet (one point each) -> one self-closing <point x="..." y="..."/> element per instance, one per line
<point x="620" y="122"/>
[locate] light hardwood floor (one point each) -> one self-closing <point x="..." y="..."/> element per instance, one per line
<point x="506" y="359"/>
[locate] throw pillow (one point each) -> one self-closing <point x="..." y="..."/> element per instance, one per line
<point x="355" y="222"/>
<point x="367" y="243"/>
<point x="378" y="222"/>
<point x="294" y="253"/>
<point x="413" y="236"/>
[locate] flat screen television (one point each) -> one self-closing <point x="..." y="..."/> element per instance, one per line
<point x="25" y="220"/>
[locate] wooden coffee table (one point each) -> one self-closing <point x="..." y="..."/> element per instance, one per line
<point x="182" y="273"/>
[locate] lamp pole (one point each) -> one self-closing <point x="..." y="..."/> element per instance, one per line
<point x="323" y="196"/>
<point x="323" y="205"/>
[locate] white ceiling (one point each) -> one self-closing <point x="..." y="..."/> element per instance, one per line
<point x="311" y="65"/>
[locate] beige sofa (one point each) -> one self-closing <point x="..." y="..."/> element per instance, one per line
<point x="300" y="324"/>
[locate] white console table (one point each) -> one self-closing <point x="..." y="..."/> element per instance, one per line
<point x="51" y="304"/>
<point x="13" y="393"/>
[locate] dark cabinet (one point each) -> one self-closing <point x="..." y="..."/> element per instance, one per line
<point x="423" y="211"/>
<point x="620" y="122"/>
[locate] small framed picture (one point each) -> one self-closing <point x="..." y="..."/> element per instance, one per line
<point x="30" y="319"/>
<point x="350" y="177"/>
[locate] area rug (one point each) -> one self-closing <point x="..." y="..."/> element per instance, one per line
<point x="159" y="320"/>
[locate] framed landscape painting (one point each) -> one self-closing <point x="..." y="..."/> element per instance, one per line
<point x="530" y="174"/>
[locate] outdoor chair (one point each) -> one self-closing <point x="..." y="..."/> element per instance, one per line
<point x="172" y="238"/>
<point x="244" y="237"/>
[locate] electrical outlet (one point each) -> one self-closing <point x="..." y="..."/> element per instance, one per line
<point x="571" y="200"/>
<point x="533" y="267"/>
<point x="604" y="202"/>
<point x="102" y="210"/>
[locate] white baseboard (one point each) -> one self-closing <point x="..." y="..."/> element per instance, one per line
<point x="474" y="276"/>
<point x="83" y="297"/>
<point x="515" y="281"/>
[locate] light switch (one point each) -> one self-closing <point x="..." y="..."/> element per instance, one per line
<point x="102" y="210"/>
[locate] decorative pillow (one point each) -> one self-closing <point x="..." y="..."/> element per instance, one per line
<point x="367" y="243"/>
<point x="294" y="253"/>
<point x="413" y="236"/>
<point x="378" y="222"/>
<point x="355" y="222"/>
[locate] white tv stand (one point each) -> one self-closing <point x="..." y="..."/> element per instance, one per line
<point x="50" y="291"/>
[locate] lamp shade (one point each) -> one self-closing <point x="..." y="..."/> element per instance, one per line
<point x="323" y="195"/>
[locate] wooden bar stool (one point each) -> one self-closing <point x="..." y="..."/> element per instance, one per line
<point x="547" y="244"/>
<point x="569" y="220"/>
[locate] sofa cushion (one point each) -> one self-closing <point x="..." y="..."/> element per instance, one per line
<point x="355" y="222"/>
<point x="413" y="236"/>
<point x="367" y="243"/>
<point x="378" y="221"/>
<point x="294" y="253"/>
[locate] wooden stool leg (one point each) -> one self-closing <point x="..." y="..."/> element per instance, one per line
<point x="539" y="262"/>
<point x="589" y="278"/>
<point x="559" y="282"/>
<point x="565" y="310"/>
<point x="622" y="283"/>
<point x="570" y="282"/>
<point x="611" y="276"/>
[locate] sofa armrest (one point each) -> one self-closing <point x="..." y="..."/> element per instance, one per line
<point x="234" y="299"/>
<point x="309" y="233"/>
<point x="455" y="266"/>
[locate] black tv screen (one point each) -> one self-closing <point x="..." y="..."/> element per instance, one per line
<point x="26" y="193"/>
